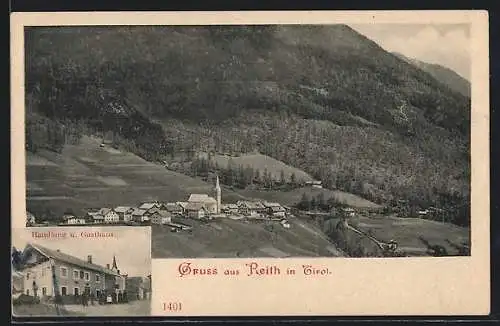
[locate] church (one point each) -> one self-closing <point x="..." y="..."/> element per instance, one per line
<point x="211" y="205"/>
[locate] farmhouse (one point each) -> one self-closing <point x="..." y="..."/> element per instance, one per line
<point x="124" y="213"/>
<point x="48" y="273"/>
<point x="149" y="205"/>
<point x="161" y="217"/>
<point x="250" y="207"/>
<point x="349" y="211"/>
<point x="229" y="208"/>
<point x="174" y="208"/>
<point x="182" y="205"/>
<point x="110" y="216"/>
<point x="276" y="211"/>
<point x="75" y="221"/>
<point x="196" y="210"/>
<point x="139" y="215"/>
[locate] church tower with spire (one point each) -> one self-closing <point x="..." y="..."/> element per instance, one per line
<point x="218" y="194"/>
<point x="115" y="266"/>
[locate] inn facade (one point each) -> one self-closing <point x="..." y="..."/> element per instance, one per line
<point x="47" y="273"/>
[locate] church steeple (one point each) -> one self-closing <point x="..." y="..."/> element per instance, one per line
<point x="218" y="194"/>
<point x="114" y="267"/>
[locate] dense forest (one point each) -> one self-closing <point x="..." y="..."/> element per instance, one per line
<point x="324" y="99"/>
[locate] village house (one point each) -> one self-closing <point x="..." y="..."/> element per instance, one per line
<point x="174" y="208"/>
<point x="230" y="209"/>
<point x="251" y="208"/>
<point x="110" y="216"/>
<point x="182" y="205"/>
<point x="97" y="218"/>
<point x="74" y="220"/>
<point x="161" y="217"/>
<point x="274" y="209"/>
<point x="124" y="213"/>
<point x="196" y="210"/>
<point x="349" y="211"/>
<point x="139" y="215"/>
<point x="48" y="273"/>
<point x="150" y="205"/>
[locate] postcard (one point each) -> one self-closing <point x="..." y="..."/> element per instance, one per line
<point x="279" y="163"/>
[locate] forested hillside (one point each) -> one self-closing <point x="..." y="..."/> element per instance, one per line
<point x="324" y="99"/>
<point x="442" y="74"/>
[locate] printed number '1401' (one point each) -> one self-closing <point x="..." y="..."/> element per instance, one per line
<point x="172" y="306"/>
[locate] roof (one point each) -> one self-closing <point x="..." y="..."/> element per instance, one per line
<point x="201" y="198"/>
<point x="277" y="208"/>
<point x="162" y="213"/>
<point x="147" y="205"/>
<point x="195" y="206"/>
<point x="268" y="204"/>
<point x="122" y="209"/>
<point x="173" y="207"/>
<point x="138" y="211"/>
<point x="251" y="204"/>
<point x="230" y="206"/>
<point x="60" y="256"/>
<point x="182" y="204"/>
<point x="105" y="211"/>
<point x="98" y="217"/>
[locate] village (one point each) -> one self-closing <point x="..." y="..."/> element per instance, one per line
<point x="175" y="214"/>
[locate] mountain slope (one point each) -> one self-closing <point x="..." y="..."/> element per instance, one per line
<point x="442" y="74"/>
<point x="324" y="99"/>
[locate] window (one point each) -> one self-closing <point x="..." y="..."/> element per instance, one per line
<point x="64" y="290"/>
<point x="87" y="276"/>
<point x="97" y="293"/>
<point x="28" y="276"/>
<point x="43" y="272"/>
<point x="76" y="274"/>
<point x="44" y="291"/>
<point x="76" y="291"/>
<point x="97" y="278"/>
<point x="64" y="272"/>
<point x="27" y="291"/>
<point x="81" y="275"/>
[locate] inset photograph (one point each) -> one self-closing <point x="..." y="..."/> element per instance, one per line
<point x="81" y="272"/>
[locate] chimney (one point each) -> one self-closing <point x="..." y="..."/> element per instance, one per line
<point x="107" y="266"/>
<point x="89" y="259"/>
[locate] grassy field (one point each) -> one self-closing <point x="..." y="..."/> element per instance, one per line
<point x="226" y="238"/>
<point x="407" y="232"/>
<point x="262" y="162"/>
<point x="294" y="196"/>
<point x="87" y="175"/>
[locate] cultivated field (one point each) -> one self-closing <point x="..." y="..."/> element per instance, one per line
<point x="226" y="238"/>
<point x="87" y="175"/>
<point x="262" y="162"/>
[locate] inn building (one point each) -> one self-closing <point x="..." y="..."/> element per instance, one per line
<point x="48" y="272"/>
